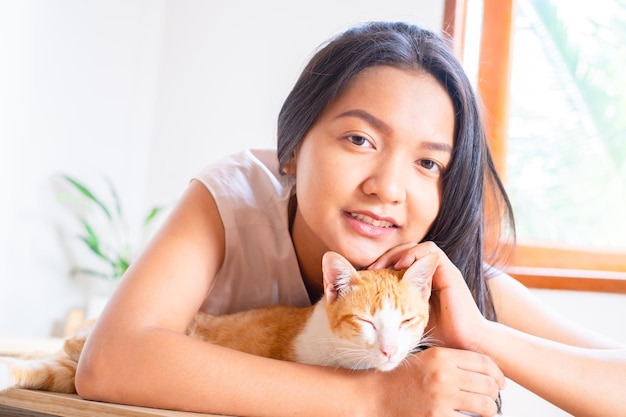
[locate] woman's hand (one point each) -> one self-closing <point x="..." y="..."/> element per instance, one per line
<point x="441" y="382"/>
<point x="455" y="319"/>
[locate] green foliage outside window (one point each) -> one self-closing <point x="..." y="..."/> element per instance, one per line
<point x="566" y="162"/>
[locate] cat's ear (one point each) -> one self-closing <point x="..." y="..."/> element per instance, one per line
<point x="420" y="274"/>
<point x="338" y="274"/>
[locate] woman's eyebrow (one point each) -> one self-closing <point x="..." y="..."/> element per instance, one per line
<point x="437" y="146"/>
<point x="385" y="128"/>
<point x="369" y="118"/>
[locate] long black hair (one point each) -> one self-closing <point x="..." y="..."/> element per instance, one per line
<point x="459" y="228"/>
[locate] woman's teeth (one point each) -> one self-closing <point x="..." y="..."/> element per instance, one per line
<point x="369" y="220"/>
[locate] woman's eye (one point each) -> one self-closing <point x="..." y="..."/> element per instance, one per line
<point x="360" y="141"/>
<point x="429" y="165"/>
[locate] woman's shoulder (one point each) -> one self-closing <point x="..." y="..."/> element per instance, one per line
<point x="245" y="161"/>
<point x="260" y="266"/>
<point x="249" y="173"/>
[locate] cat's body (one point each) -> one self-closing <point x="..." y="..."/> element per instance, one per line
<point x="367" y="319"/>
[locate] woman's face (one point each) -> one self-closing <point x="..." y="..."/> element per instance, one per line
<point x="368" y="173"/>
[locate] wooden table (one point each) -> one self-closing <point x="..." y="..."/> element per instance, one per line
<point x="21" y="402"/>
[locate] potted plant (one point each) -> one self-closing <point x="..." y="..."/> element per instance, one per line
<point x="105" y="232"/>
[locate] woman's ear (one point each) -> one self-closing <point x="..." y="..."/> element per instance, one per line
<point x="290" y="167"/>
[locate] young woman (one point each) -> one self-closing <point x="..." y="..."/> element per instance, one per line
<point x="381" y="157"/>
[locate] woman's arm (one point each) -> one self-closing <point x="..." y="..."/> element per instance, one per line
<point x="138" y="354"/>
<point x="582" y="381"/>
<point x="576" y="369"/>
<point x="511" y="297"/>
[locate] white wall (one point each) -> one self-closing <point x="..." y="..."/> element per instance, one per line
<point x="78" y="82"/>
<point x="145" y="92"/>
<point x="227" y="67"/>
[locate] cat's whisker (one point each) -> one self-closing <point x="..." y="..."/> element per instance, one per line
<point x="350" y="354"/>
<point x="425" y="342"/>
<point x="355" y="359"/>
<point x="427" y="337"/>
<point x="358" y="365"/>
<point x="428" y="332"/>
<point x="404" y="362"/>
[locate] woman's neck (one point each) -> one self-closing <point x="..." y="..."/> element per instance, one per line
<point x="309" y="251"/>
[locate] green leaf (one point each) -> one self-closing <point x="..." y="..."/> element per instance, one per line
<point x="92" y="240"/>
<point x="116" y="199"/>
<point x="151" y="215"/>
<point x="120" y="267"/>
<point x="94" y="246"/>
<point x="87" y="193"/>
<point x="85" y="271"/>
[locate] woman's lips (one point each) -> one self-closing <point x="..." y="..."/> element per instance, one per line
<point x="371" y="220"/>
<point x="369" y="225"/>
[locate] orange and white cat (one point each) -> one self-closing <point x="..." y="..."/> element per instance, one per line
<point x="366" y="319"/>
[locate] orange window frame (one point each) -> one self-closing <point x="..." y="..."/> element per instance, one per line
<point x="535" y="266"/>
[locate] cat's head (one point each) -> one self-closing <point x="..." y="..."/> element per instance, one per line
<point x="378" y="316"/>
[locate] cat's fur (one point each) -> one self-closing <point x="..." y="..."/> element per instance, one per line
<point x="366" y="319"/>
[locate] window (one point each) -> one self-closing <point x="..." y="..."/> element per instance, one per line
<point x="550" y="79"/>
<point x="566" y="159"/>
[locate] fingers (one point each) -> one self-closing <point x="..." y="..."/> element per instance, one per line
<point x="481" y="406"/>
<point x="390" y="258"/>
<point x="476" y="372"/>
<point x="475" y="381"/>
<point x="479" y="391"/>
<point x="484" y="373"/>
<point x="404" y="255"/>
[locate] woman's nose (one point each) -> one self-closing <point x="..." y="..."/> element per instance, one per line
<point x="387" y="181"/>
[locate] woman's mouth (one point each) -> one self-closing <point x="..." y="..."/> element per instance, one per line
<point x="372" y="221"/>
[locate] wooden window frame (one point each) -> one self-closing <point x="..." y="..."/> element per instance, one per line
<point x="535" y="266"/>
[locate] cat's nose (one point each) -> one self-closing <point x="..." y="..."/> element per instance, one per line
<point x="388" y="351"/>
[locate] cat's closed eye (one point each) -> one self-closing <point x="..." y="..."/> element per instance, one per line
<point x="408" y="321"/>
<point x="365" y="321"/>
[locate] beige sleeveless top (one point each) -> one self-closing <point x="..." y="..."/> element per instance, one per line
<point x="260" y="266"/>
